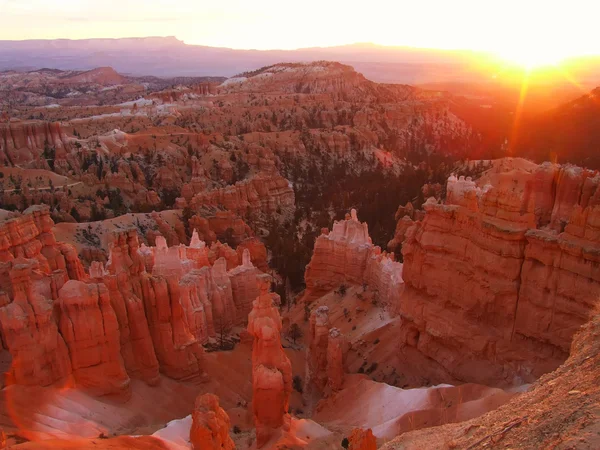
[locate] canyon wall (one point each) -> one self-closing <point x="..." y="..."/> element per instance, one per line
<point x="148" y="310"/>
<point x="500" y="277"/>
<point x="264" y="193"/>
<point x="347" y="255"/>
<point x="23" y="142"/>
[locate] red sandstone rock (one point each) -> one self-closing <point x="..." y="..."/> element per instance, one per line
<point x="210" y="425"/>
<point x="244" y="286"/>
<point x="490" y="297"/>
<point x="91" y="331"/>
<point x="316" y="355"/>
<point x="229" y="225"/>
<point x="23" y="142"/>
<point x="324" y="356"/>
<point x="178" y="351"/>
<point x="402" y="226"/>
<point x="219" y="250"/>
<point x="258" y="252"/>
<point x="32" y="271"/>
<point x="335" y="359"/>
<point x="202" y="227"/>
<point x="123" y="279"/>
<point x="166" y="230"/>
<point x="347" y="255"/>
<point x="29" y="331"/>
<point x="362" y="440"/>
<point x="271" y="368"/>
<point x="264" y="193"/>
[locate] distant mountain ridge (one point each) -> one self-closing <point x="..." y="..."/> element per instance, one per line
<point x="169" y="56"/>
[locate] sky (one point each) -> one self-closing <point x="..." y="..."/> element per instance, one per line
<point x="528" y="29"/>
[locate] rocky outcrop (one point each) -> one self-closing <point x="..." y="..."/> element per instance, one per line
<point x="336" y="353"/>
<point x="22" y="143"/>
<point x="495" y="289"/>
<point x="32" y="270"/>
<point x="90" y="329"/>
<point x="123" y="279"/>
<point x="258" y="253"/>
<point x="324" y="356"/>
<point x="405" y="218"/>
<point x="223" y="251"/>
<point x="210" y="425"/>
<point x="559" y="399"/>
<point x="264" y="193"/>
<point x="29" y="330"/>
<point x="271" y="368"/>
<point x="347" y="255"/>
<point x="244" y="286"/>
<point x="148" y="310"/>
<point x="316" y="355"/>
<point x="362" y="440"/>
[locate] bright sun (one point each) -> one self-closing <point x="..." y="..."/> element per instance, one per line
<point x="530" y="58"/>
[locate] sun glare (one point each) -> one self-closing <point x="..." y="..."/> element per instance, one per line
<point x="531" y="58"/>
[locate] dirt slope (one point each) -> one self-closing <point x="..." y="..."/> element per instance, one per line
<point x="561" y="411"/>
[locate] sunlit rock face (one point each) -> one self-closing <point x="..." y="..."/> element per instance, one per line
<point x="362" y="440"/>
<point x="271" y="368"/>
<point x="346" y="254"/>
<point x="500" y="277"/>
<point x="29" y="330"/>
<point x="123" y="278"/>
<point x="210" y="425"/>
<point x="147" y="310"/>
<point x="32" y="271"/>
<point x="244" y="286"/>
<point x="90" y="329"/>
<point x="23" y="142"/>
<point x="265" y="193"/>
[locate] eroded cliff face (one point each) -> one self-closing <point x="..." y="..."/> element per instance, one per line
<point x="347" y="255"/>
<point x="500" y="277"/>
<point x="32" y="271"/>
<point x="324" y="356"/>
<point x="148" y="310"/>
<point x="90" y="329"/>
<point x="265" y="193"/>
<point x="24" y="142"/>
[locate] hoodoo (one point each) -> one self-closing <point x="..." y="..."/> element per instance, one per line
<point x="210" y="425"/>
<point x="347" y="255"/>
<point x="271" y="368"/>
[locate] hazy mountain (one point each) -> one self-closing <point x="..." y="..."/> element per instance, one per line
<point x="168" y="56"/>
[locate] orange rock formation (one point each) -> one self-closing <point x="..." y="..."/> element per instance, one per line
<point x="324" y="356"/>
<point x="210" y="425"/>
<point x="347" y="255"/>
<point x="362" y="440"/>
<point x="149" y="309"/>
<point x="500" y="277"/>
<point x="263" y="193"/>
<point x="271" y="368"/>
<point x="90" y="329"/>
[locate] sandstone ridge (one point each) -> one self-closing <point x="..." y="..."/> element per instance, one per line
<point x="500" y="277"/>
